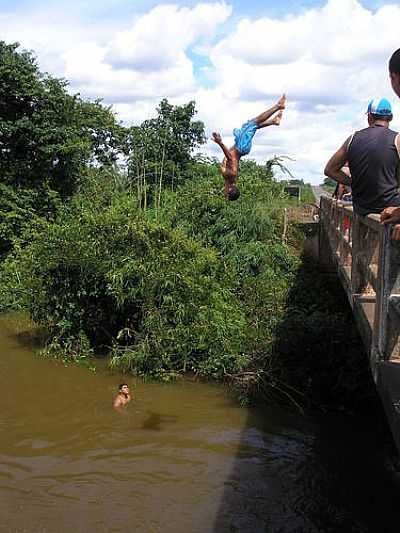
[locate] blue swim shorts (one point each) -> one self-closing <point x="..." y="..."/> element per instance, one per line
<point x="244" y="136"/>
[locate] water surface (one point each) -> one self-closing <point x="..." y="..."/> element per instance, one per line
<point x="183" y="458"/>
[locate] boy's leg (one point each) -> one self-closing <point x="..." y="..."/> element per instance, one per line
<point x="275" y="121"/>
<point x="260" y="119"/>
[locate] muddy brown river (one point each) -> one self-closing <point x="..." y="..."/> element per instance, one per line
<point x="183" y="458"/>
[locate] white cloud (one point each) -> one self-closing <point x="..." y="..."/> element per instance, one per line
<point x="318" y="55"/>
<point x="159" y="39"/>
<point x="342" y="32"/>
<point x="148" y="61"/>
<point x="329" y="60"/>
<point x="86" y="65"/>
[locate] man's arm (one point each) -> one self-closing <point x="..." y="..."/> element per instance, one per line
<point x="334" y="166"/>
<point x="397" y="143"/>
<point x="218" y="139"/>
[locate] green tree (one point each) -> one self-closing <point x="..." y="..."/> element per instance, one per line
<point x="161" y="149"/>
<point x="329" y="184"/>
<point x="23" y="210"/>
<point x="48" y="137"/>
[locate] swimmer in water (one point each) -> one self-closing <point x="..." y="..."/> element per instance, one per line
<point x="243" y="139"/>
<point x="123" y="397"/>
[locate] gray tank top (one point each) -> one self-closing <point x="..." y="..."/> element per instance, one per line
<point x="373" y="161"/>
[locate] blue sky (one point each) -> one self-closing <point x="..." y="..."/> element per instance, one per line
<point x="234" y="58"/>
<point x="119" y="8"/>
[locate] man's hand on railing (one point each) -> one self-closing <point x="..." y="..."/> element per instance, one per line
<point x="391" y="215"/>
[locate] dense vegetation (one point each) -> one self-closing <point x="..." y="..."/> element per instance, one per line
<point x="329" y="185"/>
<point x="145" y="260"/>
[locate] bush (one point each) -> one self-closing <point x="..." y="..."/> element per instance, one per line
<point x="248" y="236"/>
<point x="109" y="277"/>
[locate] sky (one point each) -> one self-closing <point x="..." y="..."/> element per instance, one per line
<point x="234" y="58"/>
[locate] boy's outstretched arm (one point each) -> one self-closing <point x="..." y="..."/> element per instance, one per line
<point x="218" y="139"/>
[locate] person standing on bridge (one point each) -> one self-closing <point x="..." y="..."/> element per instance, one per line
<point x="373" y="157"/>
<point x="394" y="71"/>
<point x="391" y="215"/>
<point x="243" y="140"/>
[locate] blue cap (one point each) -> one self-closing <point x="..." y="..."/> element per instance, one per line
<point x="380" y="106"/>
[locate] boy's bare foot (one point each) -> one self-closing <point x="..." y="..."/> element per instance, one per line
<point x="281" y="103"/>
<point x="277" y="119"/>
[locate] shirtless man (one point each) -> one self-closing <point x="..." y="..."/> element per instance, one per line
<point x="123" y="397"/>
<point x="243" y="139"/>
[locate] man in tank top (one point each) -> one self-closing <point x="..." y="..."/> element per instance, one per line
<point x="373" y="158"/>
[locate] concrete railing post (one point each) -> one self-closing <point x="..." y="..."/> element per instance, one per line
<point x="378" y="344"/>
<point x="324" y="238"/>
<point x="391" y="300"/>
<point x="356" y="277"/>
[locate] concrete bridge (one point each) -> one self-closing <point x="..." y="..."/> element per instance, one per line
<point x="368" y="264"/>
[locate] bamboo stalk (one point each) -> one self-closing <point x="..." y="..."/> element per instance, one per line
<point x="144" y="188"/>
<point x="161" y="175"/>
<point x="285" y="225"/>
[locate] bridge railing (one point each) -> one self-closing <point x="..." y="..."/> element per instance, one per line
<point x="368" y="263"/>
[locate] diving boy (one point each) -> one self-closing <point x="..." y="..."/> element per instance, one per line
<point x="243" y="141"/>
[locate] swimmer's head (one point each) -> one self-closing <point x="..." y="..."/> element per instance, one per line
<point x="394" y="71"/>
<point x="123" y="388"/>
<point x="233" y="193"/>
